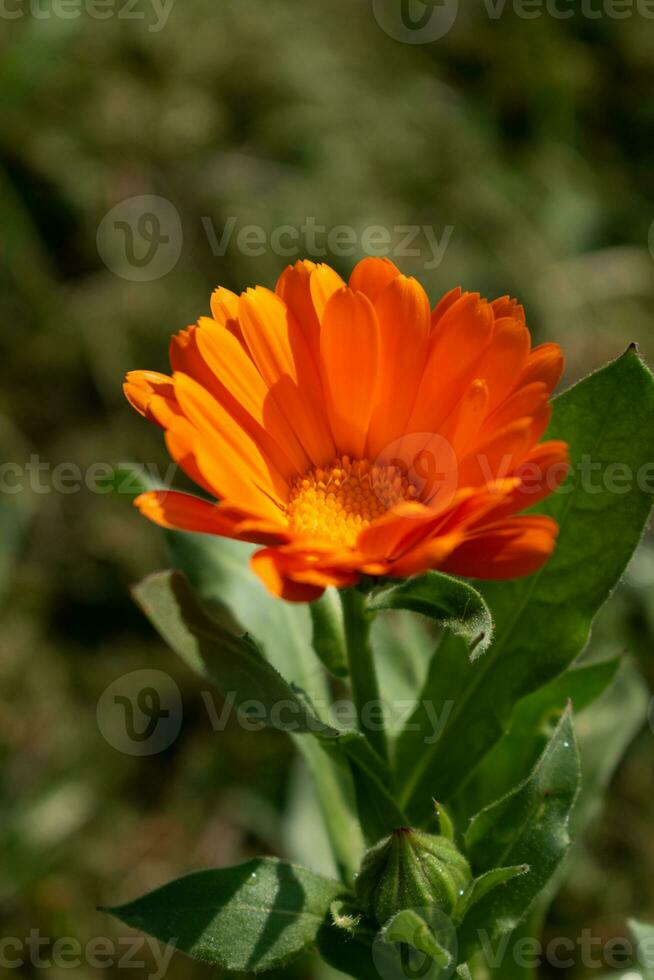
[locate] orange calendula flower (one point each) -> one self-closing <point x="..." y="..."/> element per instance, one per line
<point x="351" y="430"/>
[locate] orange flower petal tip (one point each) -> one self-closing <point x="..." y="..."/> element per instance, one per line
<point x="350" y="429"/>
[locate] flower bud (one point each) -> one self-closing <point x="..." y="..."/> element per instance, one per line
<point x="411" y="870"/>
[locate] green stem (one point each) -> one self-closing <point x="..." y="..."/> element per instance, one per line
<point x="363" y="675"/>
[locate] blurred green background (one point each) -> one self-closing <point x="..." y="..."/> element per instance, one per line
<point x="526" y="146"/>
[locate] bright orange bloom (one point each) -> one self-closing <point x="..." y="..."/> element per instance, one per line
<point x="351" y="430"/>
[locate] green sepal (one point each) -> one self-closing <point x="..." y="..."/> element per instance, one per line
<point x="481" y="886"/>
<point x="453" y="604"/>
<point x="409" y="927"/>
<point x="445" y="824"/>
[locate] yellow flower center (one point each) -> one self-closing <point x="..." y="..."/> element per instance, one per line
<point x="336" y="502"/>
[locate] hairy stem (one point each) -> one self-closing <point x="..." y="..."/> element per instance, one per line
<point x="363" y="675"/>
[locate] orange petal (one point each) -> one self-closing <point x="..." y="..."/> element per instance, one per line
<point x="498" y="456"/>
<point x="404" y="317"/>
<point x="245" y="395"/>
<point x="294" y="287"/>
<point x="545" y="364"/>
<point x="455" y="350"/>
<point x="372" y="275"/>
<point x="505" y="358"/>
<point x="323" y="283"/>
<point x="506" y="306"/>
<point x="507" y="549"/>
<point x="224" y="309"/>
<point x="525" y="401"/>
<point x="141" y="386"/>
<point x="388" y="536"/>
<point x="349" y="343"/>
<point x="540" y="472"/>
<point x="462" y="427"/>
<point x="180" y="441"/>
<point x="222" y="448"/>
<point x="268" y="564"/>
<point x="184" y="512"/>
<point x="444" y="304"/>
<point x="185" y="356"/>
<point x="428" y="555"/>
<point x="281" y="354"/>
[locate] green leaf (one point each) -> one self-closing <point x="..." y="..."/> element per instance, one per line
<point x="527" y="826"/>
<point x="219" y="571"/>
<point x="604" y="728"/>
<point x="239" y="671"/>
<point x="532" y="724"/>
<point x="542" y="622"/>
<point x="452" y="603"/>
<point x="403" y="645"/>
<point x="643" y="934"/>
<point x="233" y="663"/>
<point x="252" y="917"/>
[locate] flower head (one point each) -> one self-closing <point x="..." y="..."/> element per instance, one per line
<point x="350" y="430"/>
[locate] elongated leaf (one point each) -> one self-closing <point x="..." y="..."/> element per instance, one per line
<point x="532" y="724"/>
<point x="235" y="665"/>
<point x="542" y="621"/>
<point x="452" y="603"/>
<point x="528" y="826"/>
<point x="252" y="917"/>
<point x="219" y="571"/>
<point x="604" y="728"/>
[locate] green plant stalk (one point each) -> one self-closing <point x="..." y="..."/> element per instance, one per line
<point x="357" y="620"/>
